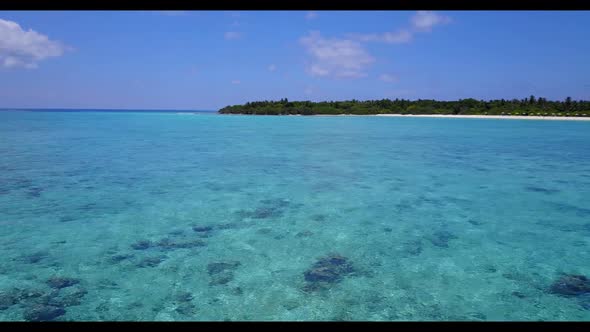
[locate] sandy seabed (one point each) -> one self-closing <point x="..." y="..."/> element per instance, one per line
<point x="136" y="216"/>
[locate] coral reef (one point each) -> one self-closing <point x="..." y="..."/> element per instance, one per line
<point x="168" y="244"/>
<point x="571" y="285"/>
<point x="202" y="228"/>
<point x="222" y="272"/>
<point x="306" y="233"/>
<point x="151" y="261"/>
<point x="142" y="245"/>
<point x="328" y="270"/>
<point x="441" y="238"/>
<point x="62" y="282"/>
<point x="40" y="313"/>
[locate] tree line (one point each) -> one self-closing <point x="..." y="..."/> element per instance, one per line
<point x="528" y="106"/>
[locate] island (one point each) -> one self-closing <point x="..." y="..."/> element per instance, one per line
<point x="527" y="107"/>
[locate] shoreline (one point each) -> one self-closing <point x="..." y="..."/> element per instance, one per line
<point x="507" y="117"/>
<point x="504" y="117"/>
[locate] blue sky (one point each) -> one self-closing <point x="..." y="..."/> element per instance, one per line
<point x="210" y="59"/>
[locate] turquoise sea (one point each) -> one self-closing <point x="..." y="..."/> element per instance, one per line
<point x="190" y="217"/>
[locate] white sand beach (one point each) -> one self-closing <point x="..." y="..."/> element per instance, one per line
<point x="513" y="117"/>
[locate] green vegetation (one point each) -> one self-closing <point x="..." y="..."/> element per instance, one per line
<point x="529" y="106"/>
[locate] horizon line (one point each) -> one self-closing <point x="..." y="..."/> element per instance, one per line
<point x="104" y="109"/>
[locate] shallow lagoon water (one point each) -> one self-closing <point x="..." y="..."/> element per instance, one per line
<point x="176" y="217"/>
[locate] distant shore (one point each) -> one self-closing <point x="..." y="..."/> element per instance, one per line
<point x="530" y="108"/>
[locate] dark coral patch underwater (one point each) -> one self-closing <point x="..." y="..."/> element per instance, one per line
<point x="44" y="306"/>
<point x="34" y="258"/>
<point x="542" y="190"/>
<point x="119" y="258"/>
<point x="327" y="271"/>
<point x="167" y="243"/>
<point x="62" y="282"/>
<point x="268" y="209"/>
<point x="442" y="238"/>
<point x="42" y="313"/>
<point x="152" y="261"/>
<point x="142" y="245"/>
<point x="571" y="285"/>
<point x="222" y="272"/>
<point x="202" y="228"/>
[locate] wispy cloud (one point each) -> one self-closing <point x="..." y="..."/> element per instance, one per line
<point x="232" y="35"/>
<point x="399" y="37"/>
<point x="272" y="67"/>
<point x="388" y="78"/>
<point x="424" y="20"/>
<point x="234" y="32"/>
<point x="20" y="48"/>
<point x="311" y="15"/>
<point x="235" y="82"/>
<point x="335" y="58"/>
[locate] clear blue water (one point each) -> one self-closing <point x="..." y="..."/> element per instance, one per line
<point x="437" y="219"/>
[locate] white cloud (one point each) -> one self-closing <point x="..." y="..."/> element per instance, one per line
<point x="272" y="67"/>
<point x="421" y="21"/>
<point x="402" y="36"/>
<point x="347" y="58"/>
<point x="424" y="20"/>
<point x="388" y="78"/>
<point x="399" y="37"/>
<point x="235" y="82"/>
<point x="311" y="15"/>
<point x="20" y="48"/>
<point x="230" y="35"/>
<point x="337" y="58"/>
